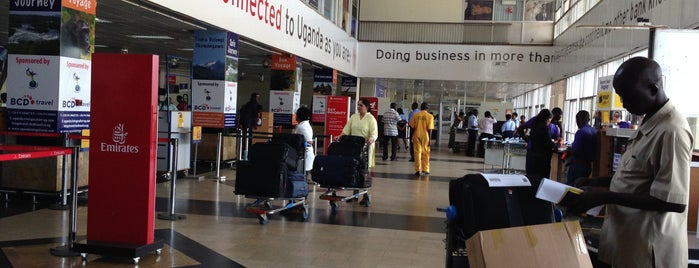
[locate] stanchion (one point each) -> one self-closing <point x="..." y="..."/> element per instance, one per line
<point x="64" y="180"/>
<point x="67" y="249"/>
<point x="239" y="141"/>
<point x="171" y="215"/>
<point x="194" y="165"/>
<point x="218" y="159"/>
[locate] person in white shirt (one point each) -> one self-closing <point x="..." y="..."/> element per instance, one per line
<point x="303" y="115"/>
<point x="508" y="128"/>
<point x="485" y="125"/>
<point x="390" y="131"/>
<point x="472" y="128"/>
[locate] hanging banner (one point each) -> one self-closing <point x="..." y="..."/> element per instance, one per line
<point x="215" y="79"/>
<point x="319" y="108"/>
<point x="324" y="81"/>
<point x="380" y="88"/>
<point x="337" y="116"/>
<point x="49" y="70"/>
<point x="349" y="86"/>
<point x="286" y="73"/>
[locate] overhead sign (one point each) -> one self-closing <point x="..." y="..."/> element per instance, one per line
<point x="215" y="83"/>
<point x="291" y="26"/>
<point x="523" y="64"/>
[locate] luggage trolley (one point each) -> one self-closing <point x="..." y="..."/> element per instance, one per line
<point x="345" y="168"/>
<point x="267" y="182"/>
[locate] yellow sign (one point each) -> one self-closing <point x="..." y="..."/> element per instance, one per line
<point x="196" y="133"/>
<point x="604" y="100"/>
<point x="180" y="120"/>
<point x="85" y="143"/>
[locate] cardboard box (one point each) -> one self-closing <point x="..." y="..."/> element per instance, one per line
<point x="545" y="245"/>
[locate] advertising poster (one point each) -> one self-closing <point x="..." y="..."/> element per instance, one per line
<point x="324" y="81"/>
<point x="286" y="73"/>
<point x="607" y="99"/>
<point x="380" y="88"/>
<point x="337" y="115"/>
<point x="319" y="108"/>
<point x="32" y="93"/>
<point x="35" y="29"/>
<point x="207" y="103"/>
<point x="209" y="57"/>
<point x="374" y="105"/>
<point x="215" y="83"/>
<point x="3" y="66"/>
<point x="349" y="86"/>
<point x="77" y="32"/>
<point x="283" y="105"/>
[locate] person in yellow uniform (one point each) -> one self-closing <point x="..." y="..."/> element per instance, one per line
<point x="422" y="124"/>
<point x="363" y="124"/>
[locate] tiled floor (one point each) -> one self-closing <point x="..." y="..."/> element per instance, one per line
<point x="401" y="228"/>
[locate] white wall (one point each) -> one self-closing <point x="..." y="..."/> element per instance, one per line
<point x="412" y="10"/>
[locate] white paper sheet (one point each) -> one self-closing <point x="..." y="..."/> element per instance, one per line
<point x="506" y="180"/>
<point x="554" y="191"/>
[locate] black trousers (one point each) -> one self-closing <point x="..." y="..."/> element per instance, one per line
<point x="394" y="146"/>
<point x="471" y="146"/>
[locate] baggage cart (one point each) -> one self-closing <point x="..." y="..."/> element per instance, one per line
<point x="332" y="193"/>
<point x="263" y="207"/>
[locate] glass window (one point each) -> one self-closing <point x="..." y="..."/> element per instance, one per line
<point x="538" y="11"/>
<point x="328" y="7"/>
<point x="508" y="10"/>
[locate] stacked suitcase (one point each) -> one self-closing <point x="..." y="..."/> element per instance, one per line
<point x="274" y="169"/>
<point x="481" y="207"/>
<point x="345" y="166"/>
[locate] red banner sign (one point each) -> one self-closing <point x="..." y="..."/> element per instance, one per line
<point x="123" y="149"/>
<point x="282" y="62"/>
<point x="337" y="115"/>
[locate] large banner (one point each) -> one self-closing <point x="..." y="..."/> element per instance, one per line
<point x="215" y="79"/>
<point x="324" y="81"/>
<point x="49" y="70"/>
<point x="291" y="26"/>
<point x="522" y="64"/>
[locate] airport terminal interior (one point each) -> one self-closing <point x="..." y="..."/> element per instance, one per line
<point x="212" y="57"/>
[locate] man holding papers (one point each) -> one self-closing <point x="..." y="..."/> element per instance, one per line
<point x="646" y="216"/>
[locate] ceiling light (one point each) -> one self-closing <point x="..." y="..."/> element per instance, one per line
<point x="102" y="46"/>
<point x="259" y="47"/>
<point x="165" y="15"/>
<point x="185" y="49"/>
<point x="164" y="37"/>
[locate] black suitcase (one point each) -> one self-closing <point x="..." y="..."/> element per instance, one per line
<point x="263" y="180"/>
<point x="269" y="153"/>
<point x="296" y="185"/>
<point x="337" y="171"/>
<point x="296" y="141"/>
<point x="353" y="139"/>
<point x="480" y="207"/>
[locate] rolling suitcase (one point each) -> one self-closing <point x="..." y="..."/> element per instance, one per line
<point x="263" y="180"/>
<point x="296" y="185"/>
<point x="482" y="207"/>
<point x="296" y="141"/>
<point x="263" y="153"/>
<point x="336" y="171"/>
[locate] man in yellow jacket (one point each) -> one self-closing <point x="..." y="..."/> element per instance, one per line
<point x="422" y="124"/>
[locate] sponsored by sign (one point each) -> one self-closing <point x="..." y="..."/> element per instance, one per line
<point x="319" y="108"/>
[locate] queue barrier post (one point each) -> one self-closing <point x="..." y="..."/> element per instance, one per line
<point x="63" y="205"/>
<point x="171" y="215"/>
<point x="219" y="145"/>
<point x="67" y="249"/>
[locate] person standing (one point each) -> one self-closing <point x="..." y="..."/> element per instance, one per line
<point x="554" y="126"/>
<point x="410" y="117"/>
<point x="402" y="128"/>
<point x="390" y="131"/>
<point x="515" y="119"/>
<point x="584" y="149"/>
<point x="508" y="128"/>
<point x="646" y="199"/>
<point x="422" y="124"/>
<point x="363" y="124"/>
<point x="181" y="104"/>
<point x="485" y="125"/>
<point x="472" y="125"/>
<point x="250" y="114"/>
<point x="303" y="115"/>
<point x="540" y="147"/>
